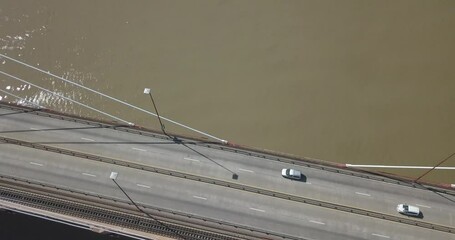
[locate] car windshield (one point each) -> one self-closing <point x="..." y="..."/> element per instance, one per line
<point x="406" y="208"/>
<point x="288" y="172"/>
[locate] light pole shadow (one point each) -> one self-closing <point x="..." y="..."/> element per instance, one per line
<point x="235" y="176"/>
<point x="144" y="212"/>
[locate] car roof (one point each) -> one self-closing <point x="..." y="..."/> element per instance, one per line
<point x="413" y="209"/>
<point x="294" y="172"/>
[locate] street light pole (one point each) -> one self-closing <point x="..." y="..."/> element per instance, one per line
<point x="149" y="92"/>
<point x="113" y="177"/>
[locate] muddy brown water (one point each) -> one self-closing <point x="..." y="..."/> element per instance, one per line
<point x="360" y="82"/>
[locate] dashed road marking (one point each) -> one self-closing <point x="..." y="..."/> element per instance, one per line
<point x="203" y="198"/>
<point x="423" y="206"/>
<point x="141" y="185"/>
<point x="259" y="210"/>
<point x="245" y="170"/>
<point x="190" y="159"/>
<point x="317" y="222"/>
<point x="34" y="129"/>
<point x="37" y="164"/>
<point x="379" y="235"/>
<point x="88" y="139"/>
<point x="364" y="194"/>
<point x="88" y="174"/>
<point x="139" y="149"/>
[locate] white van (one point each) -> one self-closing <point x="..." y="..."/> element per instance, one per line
<point x="408" y="210"/>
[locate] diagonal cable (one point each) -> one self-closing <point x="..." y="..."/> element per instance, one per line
<point x="69" y="99"/>
<point x="112" y="98"/>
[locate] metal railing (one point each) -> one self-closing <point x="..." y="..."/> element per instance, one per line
<point x="128" y="220"/>
<point x="310" y="163"/>
<point x="233" y="185"/>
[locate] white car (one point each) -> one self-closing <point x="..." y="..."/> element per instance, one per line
<point x="408" y="210"/>
<point x="291" y="173"/>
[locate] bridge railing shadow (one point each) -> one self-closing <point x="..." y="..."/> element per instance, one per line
<point x="173" y="140"/>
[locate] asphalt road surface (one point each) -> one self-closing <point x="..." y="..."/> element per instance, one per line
<point x="208" y="200"/>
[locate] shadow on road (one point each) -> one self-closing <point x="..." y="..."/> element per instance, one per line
<point x="20" y="112"/>
<point x="420" y="216"/>
<point x="440" y="194"/>
<point x="178" y="141"/>
<point x="174" y="140"/>
<point x="62" y="129"/>
<point x="302" y="178"/>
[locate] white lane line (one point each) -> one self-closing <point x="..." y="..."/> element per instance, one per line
<point x="423" y="206"/>
<point x="245" y="170"/>
<point x="364" y="194"/>
<point x="144" y="186"/>
<point x="317" y="222"/>
<point x="88" y="139"/>
<point x="255" y="209"/>
<point x="190" y="159"/>
<point x="37" y="164"/>
<point x="203" y="198"/>
<point x="88" y="174"/>
<point x="34" y="129"/>
<point x="379" y="235"/>
<point x="139" y="149"/>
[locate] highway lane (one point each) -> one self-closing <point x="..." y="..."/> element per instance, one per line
<point x="321" y="185"/>
<point x="202" y="199"/>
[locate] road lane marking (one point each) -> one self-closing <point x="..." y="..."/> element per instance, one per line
<point x="245" y="170"/>
<point x="37" y="164"/>
<point x="317" y="222"/>
<point x="88" y="174"/>
<point x="423" y="206"/>
<point x="379" y="235"/>
<point x="144" y="186"/>
<point x="364" y="194"/>
<point x="203" y="198"/>
<point x="139" y="149"/>
<point x="88" y="139"/>
<point x="190" y="159"/>
<point x="34" y="129"/>
<point x="259" y="210"/>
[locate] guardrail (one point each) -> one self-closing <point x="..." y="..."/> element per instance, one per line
<point x="132" y="221"/>
<point x="306" y="162"/>
<point x="335" y="168"/>
<point x="234" y="185"/>
<point x="102" y="215"/>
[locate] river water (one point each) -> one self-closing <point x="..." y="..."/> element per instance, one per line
<point x="359" y="82"/>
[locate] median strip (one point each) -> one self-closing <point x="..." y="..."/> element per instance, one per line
<point x="234" y="185"/>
